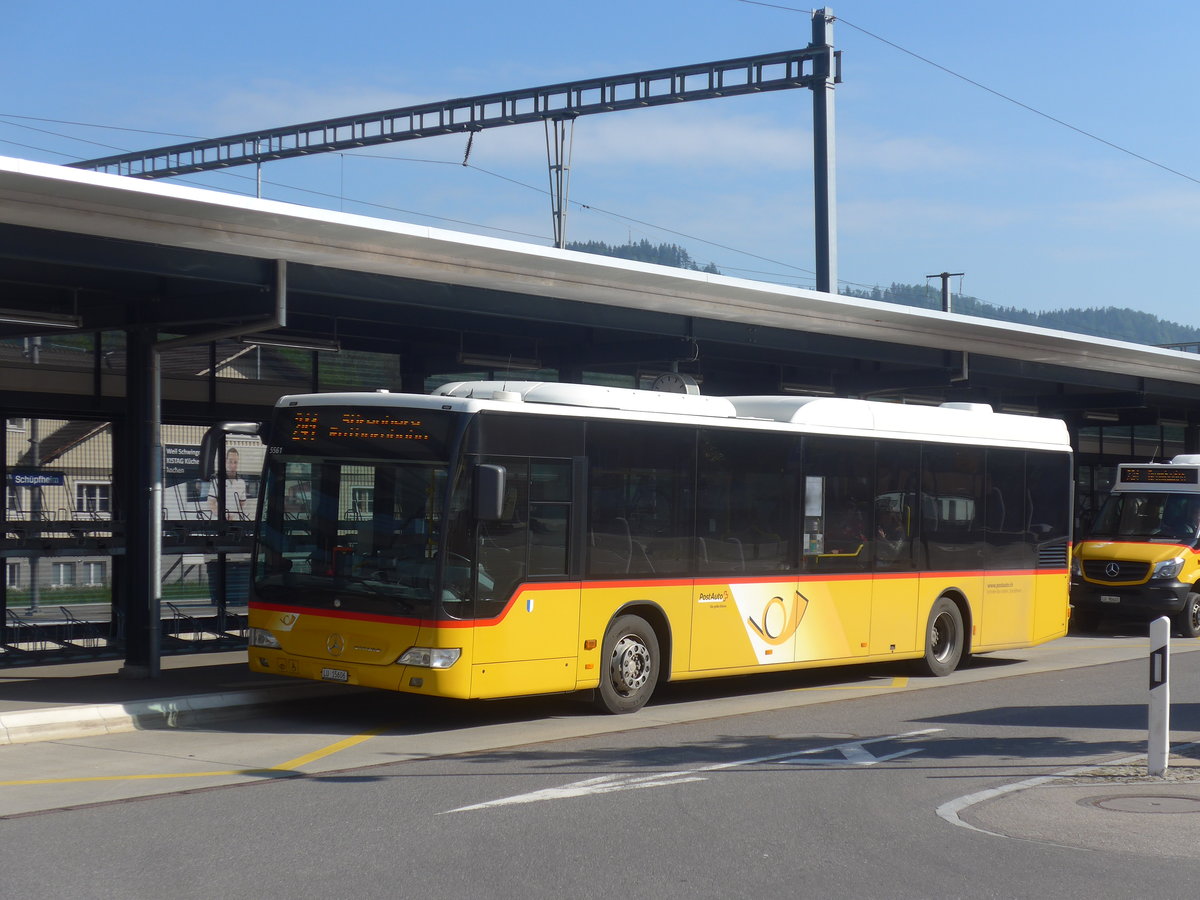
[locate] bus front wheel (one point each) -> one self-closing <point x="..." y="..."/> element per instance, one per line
<point x="629" y="665"/>
<point x="944" y="639"/>
<point x="1187" y="620"/>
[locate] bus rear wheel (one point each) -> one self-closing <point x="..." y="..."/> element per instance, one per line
<point x="1187" y="620"/>
<point x="944" y="639"/>
<point x="629" y="665"/>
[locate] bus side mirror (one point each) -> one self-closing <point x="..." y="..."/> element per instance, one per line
<point x="489" y="492"/>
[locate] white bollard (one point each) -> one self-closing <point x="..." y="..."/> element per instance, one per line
<point x="1158" y="745"/>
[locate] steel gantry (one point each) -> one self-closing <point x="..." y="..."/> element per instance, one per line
<point x="816" y="67"/>
<point x="658" y="87"/>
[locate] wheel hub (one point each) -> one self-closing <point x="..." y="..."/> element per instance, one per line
<point x="942" y="642"/>
<point x="630" y="664"/>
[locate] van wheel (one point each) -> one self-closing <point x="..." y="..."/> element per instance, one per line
<point x="629" y="665"/>
<point x="944" y="639"/>
<point x="1187" y="620"/>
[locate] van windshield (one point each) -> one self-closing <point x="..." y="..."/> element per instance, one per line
<point x="1165" y="517"/>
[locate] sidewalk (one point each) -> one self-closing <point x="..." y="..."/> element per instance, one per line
<point x="56" y="702"/>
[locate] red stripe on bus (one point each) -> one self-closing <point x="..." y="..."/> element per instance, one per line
<point x="541" y="587"/>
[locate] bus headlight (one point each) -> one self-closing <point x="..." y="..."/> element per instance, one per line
<point x="430" y="657"/>
<point x="260" y="637"/>
<point x="1168" y="568"/>
<point x="1076" y="567"/>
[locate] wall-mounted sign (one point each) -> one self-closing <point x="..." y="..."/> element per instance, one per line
<point x="36" y="478"/>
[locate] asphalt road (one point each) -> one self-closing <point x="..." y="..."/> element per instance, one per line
<point x="837" y="784"/>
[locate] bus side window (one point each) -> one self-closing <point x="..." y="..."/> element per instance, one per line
<point x="897" y="519"/>
<point x="845" y="521"/>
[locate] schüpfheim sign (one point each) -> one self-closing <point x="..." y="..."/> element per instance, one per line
<point x="36" y="478"/>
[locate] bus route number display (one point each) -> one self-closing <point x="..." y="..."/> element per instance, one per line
<point x="349" y="426"/>
<point x="365" y="432"/>
<point x="1159" y="474"/>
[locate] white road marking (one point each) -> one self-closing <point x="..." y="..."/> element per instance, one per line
<point x="852" y="752"/>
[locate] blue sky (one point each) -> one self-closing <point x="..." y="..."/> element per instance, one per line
<point x="934" y="173"/>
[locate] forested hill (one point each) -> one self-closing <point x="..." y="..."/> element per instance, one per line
<point x="644" y="251"/>
<point x="1122" y="324"/>
<point x="1119" y="323"/>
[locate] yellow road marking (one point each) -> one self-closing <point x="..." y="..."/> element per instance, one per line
<point x="131" y="777"/>
<point x="289" y="766"/>
<point x="344" y="744"/>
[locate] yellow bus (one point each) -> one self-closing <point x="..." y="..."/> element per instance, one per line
<point x="499" y="539"/>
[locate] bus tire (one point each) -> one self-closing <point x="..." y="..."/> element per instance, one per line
<point x="1187" y="620"/>
<point x="629" y="665"/>
<point x="944" y="639"/>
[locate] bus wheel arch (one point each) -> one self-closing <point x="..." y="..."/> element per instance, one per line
<point x="632" y="659"/>
<point x="946" y="631"/>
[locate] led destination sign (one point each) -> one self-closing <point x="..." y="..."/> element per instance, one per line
<point x="421" y="434"/>
<point x="352" y="426"/>
<point x="1159" y="474"/>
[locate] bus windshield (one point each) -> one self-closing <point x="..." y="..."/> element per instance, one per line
<point x="357" y="536"/>
<point x="1166" y="517"/>
<point x="356" y="533"/>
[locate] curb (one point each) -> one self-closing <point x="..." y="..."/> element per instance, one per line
<point x="61" y="723"/>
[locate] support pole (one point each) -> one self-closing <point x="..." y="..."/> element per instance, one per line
<point x="143" y="618"/>
<point x="560" y="138"/>
<point x="824" y="158"/>
<point x="946" y="276"/>
<point x="1158" y="745"/>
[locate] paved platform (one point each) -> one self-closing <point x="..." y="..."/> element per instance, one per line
<point x="57" y="702"/>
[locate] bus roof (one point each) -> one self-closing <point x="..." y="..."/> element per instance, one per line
<point x="950" y="422"/>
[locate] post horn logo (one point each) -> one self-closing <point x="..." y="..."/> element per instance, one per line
<point x="335" y="644"/>
<point x="778" y="622"/>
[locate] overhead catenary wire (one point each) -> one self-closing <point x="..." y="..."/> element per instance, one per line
<point x="984" y="87"/>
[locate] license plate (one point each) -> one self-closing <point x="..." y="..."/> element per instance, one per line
<point x="1109" y="598"/>
<point x="335" y="675"/>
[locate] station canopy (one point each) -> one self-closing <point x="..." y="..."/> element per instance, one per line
<point x="104" y="252"/>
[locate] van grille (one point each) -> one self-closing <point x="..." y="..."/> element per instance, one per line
<point x="1115" y="570"/>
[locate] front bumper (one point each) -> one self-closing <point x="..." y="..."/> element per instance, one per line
<point x="1161" y="597"/>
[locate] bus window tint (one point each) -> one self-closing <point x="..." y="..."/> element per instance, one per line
<point x="549" y="516"/>
<point x="747" y="492"/>
<point x="897" y="521"/>
<point x="952" y="504"/>
<point x="1005" y="511"/>
<point x="640" y="499"/>
<point x="839" y="504"/>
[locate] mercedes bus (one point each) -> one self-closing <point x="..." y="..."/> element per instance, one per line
<point x="500" y="539"/>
